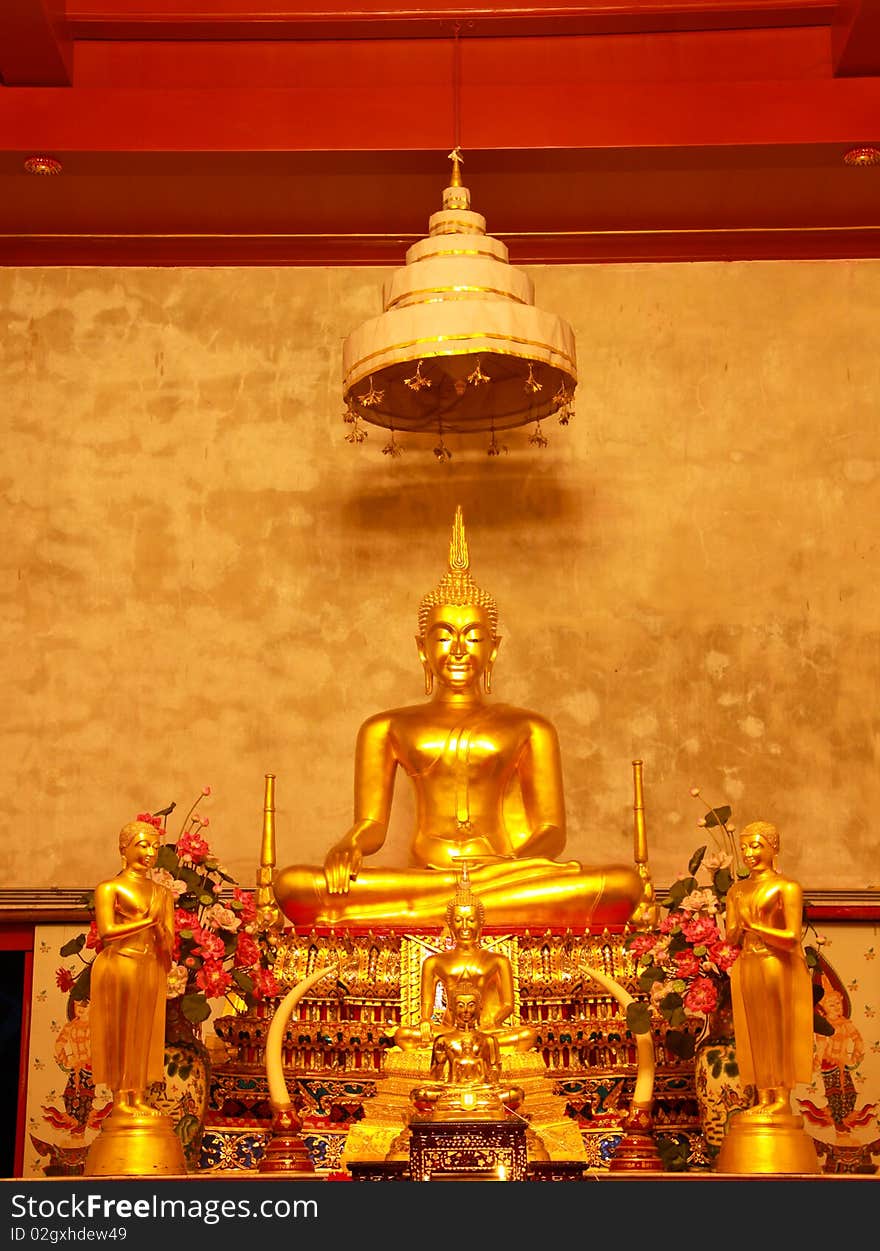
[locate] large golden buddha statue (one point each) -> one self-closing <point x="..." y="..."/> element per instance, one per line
<point x="488" y="785"/>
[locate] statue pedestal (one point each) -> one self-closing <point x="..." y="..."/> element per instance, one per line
<point x="777" y="1144"/>
<point x="136" y="1146"/>
<point x="468" y="1150"/>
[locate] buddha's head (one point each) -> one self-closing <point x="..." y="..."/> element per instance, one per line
<point x="466" y="1002"/>
<point x="759" y="843"/>
<point x="465" y="920"/>
<point x="458" y="625"/>
<point x="139" y="845"/>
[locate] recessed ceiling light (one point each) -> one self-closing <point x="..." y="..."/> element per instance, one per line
<point x="862" y="156"/>
<point x="42" y="165"/>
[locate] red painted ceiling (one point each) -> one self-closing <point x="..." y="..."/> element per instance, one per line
<point x="229" y="132"/>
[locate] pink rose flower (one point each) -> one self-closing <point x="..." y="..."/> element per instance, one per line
<point x="211" y="946"/>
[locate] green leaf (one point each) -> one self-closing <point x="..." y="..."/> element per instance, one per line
<point x="680" y="1043"/>
<point x="717" y="816"/>
<point x="638" y="1018"/>
<point x="810" y="952"/>
<point x="696" y="860"/>
<point x="722" y="881"/>
<point x="195" y="1007"/>
<point x="243" y="980"/>
<point x="821" y="1025"/>
<point x="74" y="947"/>
<point x="678" y="890"/>
<point x="82" y="987"/>
<point x="167" y="859"/>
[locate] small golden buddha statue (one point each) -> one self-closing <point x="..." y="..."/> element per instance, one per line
<point x="488" y="787"/>
<point x="465" y="1069"/>
<point x="490" y="972"/>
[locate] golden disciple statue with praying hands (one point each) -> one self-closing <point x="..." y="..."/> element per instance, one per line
<point x="488" y="787"/>
<point x="135" y="920"/>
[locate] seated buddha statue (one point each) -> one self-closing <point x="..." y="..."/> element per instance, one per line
<point x="489" y="972"/>
<point x="465" y="1068"/>
<point x="488" y="787"/>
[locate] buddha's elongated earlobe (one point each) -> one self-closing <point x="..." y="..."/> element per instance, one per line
<point x="423" y="657"/>
<point x="487" y="679"/>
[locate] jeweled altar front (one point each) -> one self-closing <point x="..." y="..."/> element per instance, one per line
<point x="340" y="1057"/>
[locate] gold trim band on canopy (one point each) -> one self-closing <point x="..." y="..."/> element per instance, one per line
<point x="569" y="373"/>
<point x="506" y="295"/>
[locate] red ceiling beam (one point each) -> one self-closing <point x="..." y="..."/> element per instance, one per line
<point x="855" y="38"/>
<point x="36" y="48"/>
<point x="339" y="19"/>
<point x="415" y="117"/>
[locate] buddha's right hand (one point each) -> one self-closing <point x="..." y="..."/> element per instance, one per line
<point x="341" y="866"/>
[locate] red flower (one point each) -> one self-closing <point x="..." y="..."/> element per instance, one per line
<point x="211" y="946"/>
<point x="213" y="979"/>
<point x="265" y="983"/>
<point x="699" y="930"/>
<point x="184" y="920"/>
<point x="723" y="955"/>
<point x="247" y="952"/>
<point x="93" y="938"/>
<point x="248" y="902"/>
<point x="641" y="944"/>
<point x="701" y="996"/>
<point x="193" y="846"/>
<point x="150" y="819"/>
<point x="687" y="964"/>
<point x="64" y="979"/>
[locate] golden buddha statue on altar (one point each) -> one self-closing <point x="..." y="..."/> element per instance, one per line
<point x="465" y="1080"/>
<point x="488" y="785"/>
<point x="467" y="962"/>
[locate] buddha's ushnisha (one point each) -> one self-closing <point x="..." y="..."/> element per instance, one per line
<point x="488" y="786"/>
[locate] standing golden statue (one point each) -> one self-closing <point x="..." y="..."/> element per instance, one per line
<point x="135" y="921"/>
<point x="488" y="787"/>
<point x="772" y="999"/>
<point x="467" y="961"/>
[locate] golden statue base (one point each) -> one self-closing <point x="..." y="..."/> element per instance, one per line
<point x="772" y="1144"/>
<point x="136" y="1146"/>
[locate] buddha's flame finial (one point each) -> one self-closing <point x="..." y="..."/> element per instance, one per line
<point x="459" y="559"/>
<point x="457" y="160"/>
<point x="457" y="586"/>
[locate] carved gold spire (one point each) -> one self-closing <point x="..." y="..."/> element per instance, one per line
<point x="457" y="586"/>
<point x="268" y="913"/>
<point x="647" y="914"/>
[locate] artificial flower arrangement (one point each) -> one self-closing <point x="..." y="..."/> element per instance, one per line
<point x="684" y="964"/>
<point x="219" y="952"/>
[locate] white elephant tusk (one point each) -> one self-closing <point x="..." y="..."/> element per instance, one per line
<point x="644" y="1091"/>
<point x="279" y="1096"/>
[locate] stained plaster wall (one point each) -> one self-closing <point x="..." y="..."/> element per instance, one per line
<point x="205" y="582"/>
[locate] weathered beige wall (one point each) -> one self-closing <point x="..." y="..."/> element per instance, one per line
<point x="204" y="582"/>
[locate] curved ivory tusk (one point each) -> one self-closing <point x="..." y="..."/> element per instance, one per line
<point x="644" y="1091"/>
<point x="279" y="1095"/>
